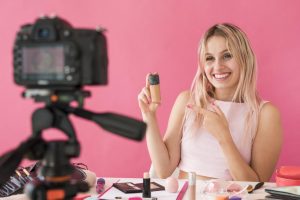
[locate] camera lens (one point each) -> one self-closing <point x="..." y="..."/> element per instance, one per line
<point x="43" y="33"/>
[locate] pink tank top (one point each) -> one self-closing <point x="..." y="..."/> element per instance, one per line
<point x="201" y="152"/>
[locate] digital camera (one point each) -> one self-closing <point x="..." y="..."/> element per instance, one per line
<point x="51" y="54"/>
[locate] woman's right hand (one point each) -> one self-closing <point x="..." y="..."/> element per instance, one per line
<point x="145" y="103"/>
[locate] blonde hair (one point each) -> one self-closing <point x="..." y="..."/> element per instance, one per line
<point x="238" y="44"/>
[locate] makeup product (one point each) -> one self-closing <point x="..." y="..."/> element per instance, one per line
<point x="129" y="187"/>
<point x="235" y="198"/>
<point x="256" y="187"/>
<point x="222" y="197"/>
<point x="234" y="187"/>
<point x="191" y="191"/>
<point x="134" y="198"/>
<point x="100" y="185"/>
<point x="82" y="197"/>
<point x="107" y="189"/>
<point x="171" y="184"/>
<point x="213" y="187"/>
<point x="154" y="88"/>
<point x="146" y="185"/>
<point x="183" y="191"/>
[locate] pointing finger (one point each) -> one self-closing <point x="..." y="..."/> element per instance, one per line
<point x="217" y="109"/>
<point x="147" y="93"/>
<point x="200" y="110"/>
<point x="147" y="80"/>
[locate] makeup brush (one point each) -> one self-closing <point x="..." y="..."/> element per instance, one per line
<point x="250" y="188"/>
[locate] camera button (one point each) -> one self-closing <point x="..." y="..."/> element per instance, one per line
<point x="67" y="69"/>
<point x="25" y="37"/>
<point x="69" y="78"/>
<point x="67" y="33"/>
<point x="72" y="69"/>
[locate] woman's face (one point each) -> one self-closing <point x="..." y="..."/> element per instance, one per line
<point x="220" y="67"/>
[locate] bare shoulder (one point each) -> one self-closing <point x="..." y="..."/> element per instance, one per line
<point x="184" y="96"/>
<point x="181" y="102"/>
<point x="176" y="117"/>
<point x="269" y="112"/>
<point x="269" y="121"/>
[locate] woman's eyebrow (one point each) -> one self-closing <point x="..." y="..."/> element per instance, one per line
<point x="219" y="53"/>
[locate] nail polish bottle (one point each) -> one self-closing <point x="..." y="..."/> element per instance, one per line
<point x="154" y="88"/>
<point x="146" y="185"/>
<point x="100" y="185"/>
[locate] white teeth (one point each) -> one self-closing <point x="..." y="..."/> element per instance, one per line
<point x="221" y="76"/>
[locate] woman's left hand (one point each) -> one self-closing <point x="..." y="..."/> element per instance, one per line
<point x="214" y="122"/>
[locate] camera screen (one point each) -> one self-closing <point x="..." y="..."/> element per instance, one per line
<point x="43" y="62"/>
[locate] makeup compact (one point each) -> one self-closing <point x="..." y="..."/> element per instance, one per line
<point x="288" y="176"/>
<point x="129" y="187"/>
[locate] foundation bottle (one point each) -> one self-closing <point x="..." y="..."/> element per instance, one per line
<point x="191" y="191"/>
<point x="154" y="88"/>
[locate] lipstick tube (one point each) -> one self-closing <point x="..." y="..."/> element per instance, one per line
<point x="146" y="185"/>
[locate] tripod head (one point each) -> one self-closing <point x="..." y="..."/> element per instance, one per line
<point x="55" y="155"/>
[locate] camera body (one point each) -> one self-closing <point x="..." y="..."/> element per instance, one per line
<point x="51" y="54"/>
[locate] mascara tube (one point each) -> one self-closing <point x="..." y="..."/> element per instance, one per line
<point x="154" y="88"/>
<point x="146" y="185"/>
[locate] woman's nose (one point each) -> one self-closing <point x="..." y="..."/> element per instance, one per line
<point x="218" y="64"/>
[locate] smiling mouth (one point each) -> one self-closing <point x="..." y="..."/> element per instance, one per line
<point x="221" y="76"/>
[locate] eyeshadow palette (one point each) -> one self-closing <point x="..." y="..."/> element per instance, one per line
<point x="129" y="187"/>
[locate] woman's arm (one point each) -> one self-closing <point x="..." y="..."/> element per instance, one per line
<point x="267" y="143"/>
<point x="164" y="154"/>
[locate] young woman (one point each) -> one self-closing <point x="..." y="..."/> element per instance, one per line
<point x="220" y="128"/>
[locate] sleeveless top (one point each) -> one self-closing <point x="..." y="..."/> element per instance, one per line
<point x="201" y="152"/>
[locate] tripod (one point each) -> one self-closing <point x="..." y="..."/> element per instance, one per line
<point x="55" y="168"/>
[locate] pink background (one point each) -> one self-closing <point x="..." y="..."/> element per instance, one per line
<point x="155" y="36"/>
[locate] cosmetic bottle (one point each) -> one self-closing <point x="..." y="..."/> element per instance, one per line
<point x="146" y="185"/>
<point x="191" y="191"/>
<point x="154" y="88"/>
<point x="100" y="185"/>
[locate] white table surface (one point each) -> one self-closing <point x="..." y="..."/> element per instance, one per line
<point x="113" y="192"/>
<point x="200" y="185"/>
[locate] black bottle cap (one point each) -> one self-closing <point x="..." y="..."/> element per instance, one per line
<point x="154" y="79"/>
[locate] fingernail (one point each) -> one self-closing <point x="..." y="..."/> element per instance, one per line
<point x="189" y="106"/>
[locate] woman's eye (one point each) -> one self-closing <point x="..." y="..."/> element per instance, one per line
<point x="209" y="58"/>
<point x="227" y="56"/>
